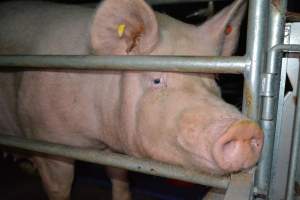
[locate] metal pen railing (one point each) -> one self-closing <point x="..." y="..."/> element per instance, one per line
<point x="251" y="66"/>
<point x="235" y="65"/>
<point x="116" y="160"/>
<point x="269" y="92"/>
<point x="152" y="63"/>
<point x="159" y="2"/>
<point x="295" y="149"/>
<point x="250" y="69"/>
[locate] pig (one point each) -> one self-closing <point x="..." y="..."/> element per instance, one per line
<point x="177" y="118"/>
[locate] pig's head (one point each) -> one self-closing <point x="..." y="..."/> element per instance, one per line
<point x="178" y="118"/>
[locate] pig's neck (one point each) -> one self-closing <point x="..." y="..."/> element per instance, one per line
<point x="108" y="100"/>
<point x="118" y="101"/>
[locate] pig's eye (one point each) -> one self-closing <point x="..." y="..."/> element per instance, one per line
<point x="156" y="81"/>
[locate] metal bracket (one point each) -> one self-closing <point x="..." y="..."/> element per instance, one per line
<point x="240" y="186"/>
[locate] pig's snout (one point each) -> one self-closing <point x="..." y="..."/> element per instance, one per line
<point x="239" y="147"/>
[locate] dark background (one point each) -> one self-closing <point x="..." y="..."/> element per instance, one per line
<point x="90" y="180"/>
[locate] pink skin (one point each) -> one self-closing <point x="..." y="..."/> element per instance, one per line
<point x="155" y="116"/>
<point x="177" y="118"/>
<point x="173" y="125"/>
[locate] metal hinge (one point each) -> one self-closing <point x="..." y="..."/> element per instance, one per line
<point x="268" y="85"/>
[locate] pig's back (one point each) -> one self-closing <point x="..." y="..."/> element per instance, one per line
<point x="35" y="28"/>
<point x="62" y="106"/>
<point x="29" y="27"/>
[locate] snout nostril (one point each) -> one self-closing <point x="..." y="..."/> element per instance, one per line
<point x="255" y="143"/>
<point x="229" y="146"/>
<point x="239" y="147"/>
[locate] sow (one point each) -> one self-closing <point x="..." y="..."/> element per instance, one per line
<point x="178" y="118"/>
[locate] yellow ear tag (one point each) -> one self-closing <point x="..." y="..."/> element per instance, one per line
<point x="121" y="29"/>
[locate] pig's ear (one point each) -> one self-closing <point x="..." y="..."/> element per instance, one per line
<point x="223" y="29"/>
<point x="124" y="27"/>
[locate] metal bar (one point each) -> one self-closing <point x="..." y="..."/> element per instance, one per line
<point x="233" y="65"/>
<point x="282" y="136"/>
<point x="256" y="45"/>
<point x="240" y="187"/>
<point x="263" y="177"/>
<point x="257" y="19"/>
<point x="117" y="160"/>
<point x="276" y="33"/>
<point x="154" y="2"/>
<point x="274" y="51"/>
<point x="295" y="144"/>
<point x="270" y="92"/>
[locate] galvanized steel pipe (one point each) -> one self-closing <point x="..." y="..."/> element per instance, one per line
<point x="116" y="160"/>
<point x="295" y="150"/>
<point x="155" y="2"/>
<point x="296" y="139"/>
<point x="270" y="92"/>
<point x="280" y="49"/>
<point x="256" y="50"/>
<point x="256" y="40"/>
<point x="234" y="65"/>
<point x="269" y="115"/>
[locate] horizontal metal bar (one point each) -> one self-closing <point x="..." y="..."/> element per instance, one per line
<point x="234" y="65"/>
<point x="154" y="2"/>
<point x="273" y="55"/>
<point x="116" y="160"/>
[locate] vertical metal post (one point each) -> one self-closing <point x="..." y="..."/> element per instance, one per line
<point x="257" y="19"/>
<point x="270" y="100"/>
<point x="295" y="144"/>
<point x="256" y="52"/>
<point x="295" y="149"/>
